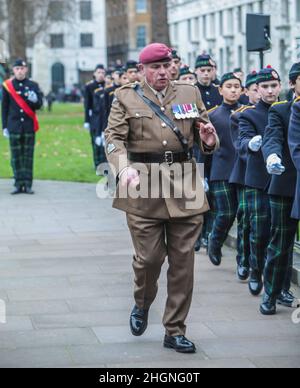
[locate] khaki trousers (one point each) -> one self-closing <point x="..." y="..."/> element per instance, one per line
<point x="154" y="240"/>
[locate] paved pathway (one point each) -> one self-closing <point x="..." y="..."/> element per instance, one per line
<point x="66" y="278"/>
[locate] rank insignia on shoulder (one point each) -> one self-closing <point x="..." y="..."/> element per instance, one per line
<point x="111" y="148"/>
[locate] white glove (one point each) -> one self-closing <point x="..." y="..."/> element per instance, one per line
<point x="274" y="165"/>
<point x="98" y="141"/>
<point x="206" y="185"/>
<point x="32" y="97"/>
<point x="255" y="143"/>
<point x="6" y="133"/>
<point x="87" y="126"/>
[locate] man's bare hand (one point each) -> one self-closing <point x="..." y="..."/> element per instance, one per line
<point x="207" y="134"/>
<point x="130" y="177"/>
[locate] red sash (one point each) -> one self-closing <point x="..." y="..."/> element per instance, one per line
<point x="22" y="103"/>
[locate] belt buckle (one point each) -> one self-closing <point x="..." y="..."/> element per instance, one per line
<point x="169" y="157"/>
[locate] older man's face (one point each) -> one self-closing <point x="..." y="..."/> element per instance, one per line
<point x="157" y="74"/>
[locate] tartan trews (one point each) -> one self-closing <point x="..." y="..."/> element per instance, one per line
<point x="224" y="199"/>
<point x="243" y="222"/>
<point x="260" y="226"/>
<point x="277" y="274"/>
<point x="22" y="153"/>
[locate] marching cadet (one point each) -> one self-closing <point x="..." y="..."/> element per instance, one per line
<point x="175" y="66"/>
<point x="252" y="125"/>
<point x="21" y="98"/>
<point x="91" y="110"/>
<point x="205" y="71"/>
<point x="132" y="71"/>
<point x="186" y="74"/>
<point x="98" y="125"/>
<point x="238" y="178"/>
<point x="224" y="194"/>
<point x="155" y="124"/>
<point x="278" y="268"/>
<point x="294" y="145"/>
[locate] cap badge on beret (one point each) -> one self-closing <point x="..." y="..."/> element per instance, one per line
<point x="275" y="75"/>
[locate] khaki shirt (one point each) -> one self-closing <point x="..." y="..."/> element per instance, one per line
<point x="134" y="127"/>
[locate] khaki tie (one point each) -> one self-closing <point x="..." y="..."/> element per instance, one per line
<point x="160" y="97"/>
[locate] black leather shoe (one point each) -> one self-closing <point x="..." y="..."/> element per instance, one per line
<point x="18" y="190"/>
<point x="138" y="321"/>
<point x="214" y="253"/>
<point x="180" y="344"/>
<point x="28" y="190"/>
<point x="268" y="306"/>
<point x="243" y="273"/>
<point x="287" y="299"/>
<point x="198" y="245"/>
<point x="255" y="283"/>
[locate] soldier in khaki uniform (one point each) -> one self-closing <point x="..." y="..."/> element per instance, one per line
<point x="164" y="225"/>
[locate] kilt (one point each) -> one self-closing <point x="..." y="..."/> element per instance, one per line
<point x="243" y="225"/>
<point x="278" y="269"/>
<point x="22" y="153"/>
<point x="260" y="227"/>
<point x="224" y="199"/>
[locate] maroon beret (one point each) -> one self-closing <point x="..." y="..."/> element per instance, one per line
<point x="155" y="52"/>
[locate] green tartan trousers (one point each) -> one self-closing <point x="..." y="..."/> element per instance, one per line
<point x="260" y="227"/>
<point x="278" y="269"/>
<point x="243" y="227"/>
<point x="22" y="153"/>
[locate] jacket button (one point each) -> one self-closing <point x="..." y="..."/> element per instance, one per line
<point x="21" y="111"/>
<point x="22" y="119"/>
<point x="162" y="109"/>
<point x="165" y="143"/>
<point x="137" y="115"/>
<point x="164" y="125"/>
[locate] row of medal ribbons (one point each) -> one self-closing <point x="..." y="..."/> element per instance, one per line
<point x="185" y="111"/>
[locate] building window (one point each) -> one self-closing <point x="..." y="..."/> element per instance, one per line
<point x="86" y="40"/>
<point x="57" y="41"/>
<point x="141" y="35"/>
<point x="140" y="6"/>
<point x="55" y="11"/>
<point x="86" y="10"/>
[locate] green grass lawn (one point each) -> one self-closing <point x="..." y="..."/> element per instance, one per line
<point x="63" y="148"/>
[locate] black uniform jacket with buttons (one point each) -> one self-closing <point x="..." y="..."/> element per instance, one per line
<point x="294" y="143"/>
<point x="253" y="122"/>
<point x="90" y="87"/>
<point x="133" y="127"/>
<point x="99" y="109"/>
<point x="276" y="142"/>
<point x="240" y="163"/>
<point x="223" y="158"/>
<point x="13" y="117"/>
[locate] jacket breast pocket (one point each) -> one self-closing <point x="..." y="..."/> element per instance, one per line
<point x="140" y="122"/>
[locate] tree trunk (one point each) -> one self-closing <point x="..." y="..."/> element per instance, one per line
<point x="16" y="29"/>
<point x="160" y="27"/>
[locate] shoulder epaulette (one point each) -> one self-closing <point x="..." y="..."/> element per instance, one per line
<point x="248" y="107"/>
<point x="213" y="109"/>
<point x="297" y="100"/>
<point x="279" y="103"/>
<point x="240" y="109"/>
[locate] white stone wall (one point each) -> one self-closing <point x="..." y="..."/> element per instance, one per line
<point x="227" y="43"/>
<point x="72" y="56"/>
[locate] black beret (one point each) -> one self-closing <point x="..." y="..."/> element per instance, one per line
<point x="19" y="63"/>
<point x="131" y="65"/>
<point x="204" y="60"/>
<point x="295" y="71"/>
<point x="100" y="67"/>
<point x="251" y="79"/>
<point x="229" y="76"/>
<point x="267" y="74"/>
<point x="184" y="70"/>
<point x="175" y="54"/>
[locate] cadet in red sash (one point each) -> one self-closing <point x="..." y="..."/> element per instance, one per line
<point x="21" y="98"/>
